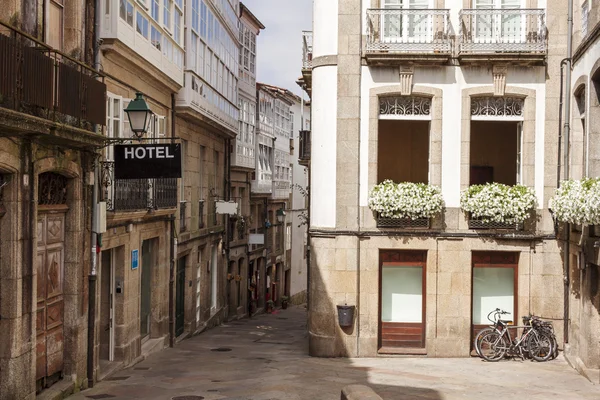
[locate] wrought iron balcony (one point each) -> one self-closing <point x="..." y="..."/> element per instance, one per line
<point x="304" y="151"/>
<point x="40" y="81"/>
<point x="401" y="34"/>
<point x="137" y="194"/>
<point x="307" y="50"/>
<point x="512" y="33"/>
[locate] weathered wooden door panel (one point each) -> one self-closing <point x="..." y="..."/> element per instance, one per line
<point x="50" y="299"/>
<point x="180" y="297"/>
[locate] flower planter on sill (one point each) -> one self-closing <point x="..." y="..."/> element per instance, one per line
<point x="480" y="224"/>
<point x="406" y="223"/>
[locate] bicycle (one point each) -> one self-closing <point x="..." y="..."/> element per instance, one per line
<point x="497" y="313"/>
<point x="535" y="342"/>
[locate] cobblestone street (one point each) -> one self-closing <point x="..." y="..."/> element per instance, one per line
<point x="266" y="358"/>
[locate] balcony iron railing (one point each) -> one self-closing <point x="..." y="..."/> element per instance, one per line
<point x="307" y="49"/>
<point x="304" y="144"/>
<point x="408" y="30"/>
<point x="484" y="31"/>
<point x="137" y="194"/>
<point x="40" y="81"/>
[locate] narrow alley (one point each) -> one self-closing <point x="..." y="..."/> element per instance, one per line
<point x="266" y="358"/>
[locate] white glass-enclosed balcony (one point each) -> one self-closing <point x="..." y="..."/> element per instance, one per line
<point x="151" y="28"/>
<point x="210" y="90"/>
<point x="263" y="181"/>
<point x="405" y="29"/>
<point x="243" y="155"/>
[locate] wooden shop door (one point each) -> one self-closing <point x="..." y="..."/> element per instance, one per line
<point x="50" y="299"/>
<point x="401" y="300"/>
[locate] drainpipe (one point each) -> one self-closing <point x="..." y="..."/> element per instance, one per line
<point x="227" y="188"/>
<point x="173" y="248"/>
<point x="567" y="128"/>
<point x="93" y="236"/>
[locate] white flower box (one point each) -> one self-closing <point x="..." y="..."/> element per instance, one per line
<point x="497" y="206"/>
<point x="405" y="205"/>
<point x="577" y="202"/>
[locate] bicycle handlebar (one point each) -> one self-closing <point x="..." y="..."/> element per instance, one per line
<point x="497" y="311"/>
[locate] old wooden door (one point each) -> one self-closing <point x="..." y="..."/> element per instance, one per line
<point x="180" y="297"/>
<point x="50" y="300"/>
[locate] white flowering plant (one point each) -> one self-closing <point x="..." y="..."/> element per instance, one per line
<point x="577" y="202"/>
<point x="496" y="202"/>
<point x="405" y="200"/>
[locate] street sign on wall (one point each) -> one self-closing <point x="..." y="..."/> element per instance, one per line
<point x="135" y="259"/>
<point x="145" y="161"/>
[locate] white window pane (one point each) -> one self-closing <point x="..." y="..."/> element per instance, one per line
<point x="402" y="294"/>
<point x="492" y="288"/>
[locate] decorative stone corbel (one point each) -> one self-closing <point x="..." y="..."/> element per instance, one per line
<point x="499" y="74"/>
<point x="406" y="80"/>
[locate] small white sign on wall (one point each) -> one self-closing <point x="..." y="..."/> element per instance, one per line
<point x="256" y="238"/>
<point x="226" y="207"/>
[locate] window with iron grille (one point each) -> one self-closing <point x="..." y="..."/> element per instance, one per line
<point x="182" y="217"/>
<point x="52" y="189"/>
<point x="201" y="214"/>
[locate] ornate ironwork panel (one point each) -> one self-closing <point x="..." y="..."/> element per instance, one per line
<point x="52" y="189"/>
<point x="475" y="223"/>
<point x="420" y="223"/>
<point x="131" y="194"/>
<point x="405" y="106"/>
<point x="165" y="193"/>
<point x="496" y="107"/>
<point x="136" y="194"/>
<point x="107" y="179"/>
<point x="408" y="31"/>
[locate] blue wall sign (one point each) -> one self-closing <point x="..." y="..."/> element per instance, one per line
<point x="134" y="259"/>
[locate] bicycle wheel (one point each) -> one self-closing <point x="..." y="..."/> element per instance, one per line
<point x="493" y="346"/>
<point x="477" y="341"/>
<point x="540" y="346"/>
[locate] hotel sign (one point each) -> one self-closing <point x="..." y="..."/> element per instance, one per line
<point x="146" y="161"/>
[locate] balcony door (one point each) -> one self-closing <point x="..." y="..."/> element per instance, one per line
<point x="402" y="23"/>
<point x="502" y="25"/>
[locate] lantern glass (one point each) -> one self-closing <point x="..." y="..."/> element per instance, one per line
<point x="139" y="114"/>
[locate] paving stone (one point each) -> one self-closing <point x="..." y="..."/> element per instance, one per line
<point x="268" y="360"/>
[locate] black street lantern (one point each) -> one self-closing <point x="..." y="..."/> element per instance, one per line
<point x="280" y="215"/>
<point x="139" y="114"/>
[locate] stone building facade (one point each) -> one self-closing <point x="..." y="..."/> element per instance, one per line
<point x="51" y="112"/>
<point x="449" y="93"/>
<point x="582" y="348"/>
<point x="243" y="164"/>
